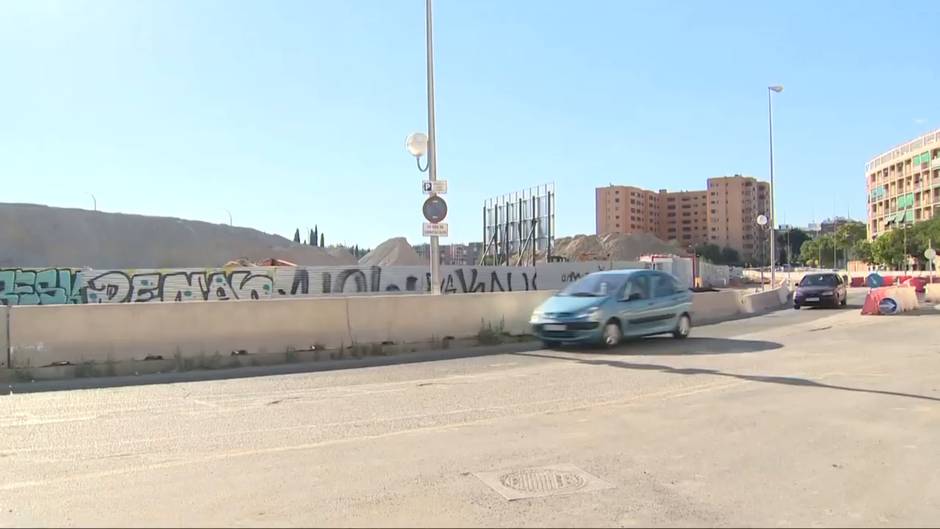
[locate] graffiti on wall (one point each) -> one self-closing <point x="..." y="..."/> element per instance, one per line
<point x="50" y="286"/>
<point x="59" y="286"/>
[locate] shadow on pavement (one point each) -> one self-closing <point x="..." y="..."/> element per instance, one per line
<point x="668" y="346"/>
<point x="789" y="381"/>
<point x="927" y="309"/>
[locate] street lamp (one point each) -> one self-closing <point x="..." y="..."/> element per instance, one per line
<point x="762" y="222"/>
<point x="770" y="119"/>
<point x="94" y="201"/>
<point x="419" y="144"/>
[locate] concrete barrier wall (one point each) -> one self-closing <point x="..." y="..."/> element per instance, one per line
<point x="44" y="335"/>
<point x="408" y="319"/>
<point x="97" y="333"/>
<point x="766" y="300"/>
<point x="4" y="337"/>
<point x="713" y="306"/>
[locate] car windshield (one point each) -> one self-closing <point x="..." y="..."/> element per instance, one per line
<point x="819" y="280"/>
<point x="595" y="285"/>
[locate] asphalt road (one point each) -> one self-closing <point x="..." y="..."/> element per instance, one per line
<point x="794" y="418"/>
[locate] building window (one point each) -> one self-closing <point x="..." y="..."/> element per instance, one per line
<point x="617" y="200"/>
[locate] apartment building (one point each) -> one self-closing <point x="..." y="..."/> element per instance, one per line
<point x="734" y="203"/>
<point x="678" y="216"/>
<point x="724" y="214"/>
<point x="903" y="185"/>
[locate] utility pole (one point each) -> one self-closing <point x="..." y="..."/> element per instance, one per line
<point x="773" y="218"/>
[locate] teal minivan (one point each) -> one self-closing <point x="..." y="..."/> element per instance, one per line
<point x="604" y="307"/>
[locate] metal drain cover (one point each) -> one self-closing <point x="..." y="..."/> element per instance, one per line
<point x="542" y="481"/>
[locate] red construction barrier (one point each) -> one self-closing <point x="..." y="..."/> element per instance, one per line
<point x="919" y="284"/>
<point x="889" y="280"/>
<point x="872" y="300"/>
<point x="858" y="281"/>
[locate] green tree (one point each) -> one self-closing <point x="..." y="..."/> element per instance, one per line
<point x="312" y="239"/>
<point x="862" y="251"/>
<point x="848" y="235"/>
<point x="316" y="237"/>
<point x="297" y="235"/>
<point x="796" y="239"/>
<point x="710" y="253"/>
<point x="924" y="235"/>
<point x="818" y="252"/>
<point x="730" y="256"/>
<point x="888" y="249"/>
<point x="322" y="241"/>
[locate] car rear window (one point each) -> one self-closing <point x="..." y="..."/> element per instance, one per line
<point x="819" y="280"/>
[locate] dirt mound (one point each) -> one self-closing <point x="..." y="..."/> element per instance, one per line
<point x="393" y="252"/>
<point x="614" y="246"/>
<point x="40" y="236"/>
<point x="341" y="255"/>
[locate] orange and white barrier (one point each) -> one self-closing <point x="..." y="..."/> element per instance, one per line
<point x="890" y="300"/>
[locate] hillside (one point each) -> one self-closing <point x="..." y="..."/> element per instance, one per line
<point x="41" y="236"/>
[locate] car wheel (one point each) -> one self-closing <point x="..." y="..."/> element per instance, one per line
<point x="612" y="334"/>
<point x="796" y="307"/>
<point x="845" y="300"/>
<point x="548" y="344"/>
<point x="683" y="327"/>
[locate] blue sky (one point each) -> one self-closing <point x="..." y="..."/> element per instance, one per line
<point x="291" y="114"/>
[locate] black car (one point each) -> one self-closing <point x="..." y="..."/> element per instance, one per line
<point x="820" y="290"/>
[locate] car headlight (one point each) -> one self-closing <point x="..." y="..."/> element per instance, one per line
<point x="536" y="316"/>
<point x="587" y="313"/>
<point x="828" y="293"/>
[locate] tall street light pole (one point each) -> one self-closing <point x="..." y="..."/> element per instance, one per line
<point x="770" y="119"/>
<point x="432" y="151"/>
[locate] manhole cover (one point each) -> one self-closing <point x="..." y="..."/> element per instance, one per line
<point x="542" y="481"/>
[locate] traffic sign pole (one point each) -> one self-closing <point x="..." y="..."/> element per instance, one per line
<point x="931" y="256"/>
<point x="432" y="149"/>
